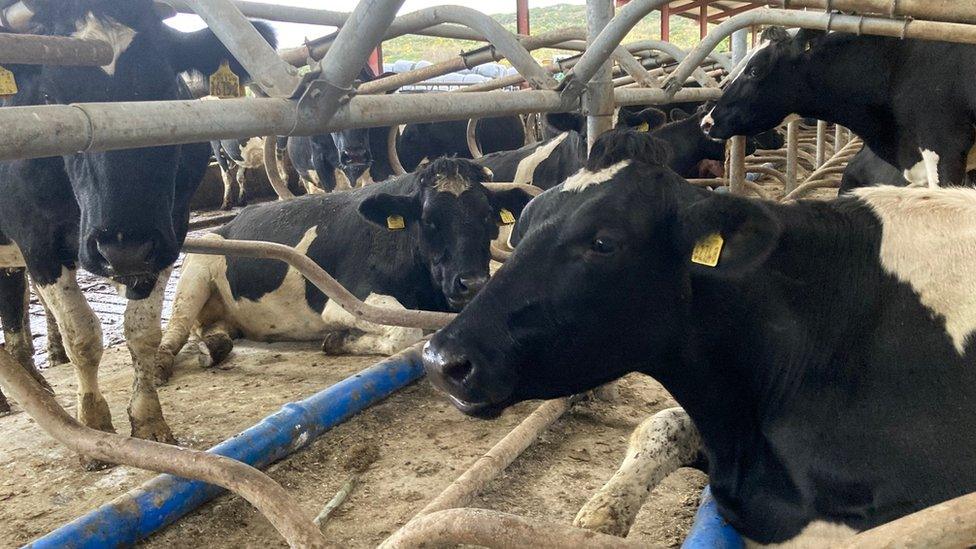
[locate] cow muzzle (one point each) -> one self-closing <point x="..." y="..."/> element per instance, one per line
<point x="119" y="255"/>
<point x="458" y="378"/>
<point x="464" y="288"/>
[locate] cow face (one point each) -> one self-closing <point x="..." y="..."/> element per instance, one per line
<point x="455" y="218"/>
<point x="769" y="89"/>
<point x="598" y="290"/>
<point x="126" y="198"/>
<point x="353" y="154"/>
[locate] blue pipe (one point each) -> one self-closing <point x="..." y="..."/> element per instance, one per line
<point x="164" y="499"/>
<point x="710" y="531"/>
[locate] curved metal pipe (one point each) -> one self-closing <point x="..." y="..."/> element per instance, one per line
<point x="486" y="528"/>
<point x="948" y="524"/>
<point x="471" y="136"/>
<point x="677" y="54"/>
<point x="322" y="280"/>
<point x="393" y="152"/>
<point x="925" y="30"/>
<point x="273" y="170"/>
<point x="277" y="505"/>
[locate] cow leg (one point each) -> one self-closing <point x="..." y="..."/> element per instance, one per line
<point x="348" y="335"/>
<point x="228" y="175"/>
<point x="83" y="342"/>
<point x="193" y="292"/>
<point x="14" y="303"/>
<point x="241" y="180"/>
<point x="658" y="447"/>
<point x="56" y="355"/>
<point x="143" y="336"/>
<point x="218" y="339"/>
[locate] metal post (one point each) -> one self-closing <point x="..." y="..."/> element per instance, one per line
<point x="276" y="78"/>
<point x="840" y="138"/>
<point x="522" y="16"/>
<point x="666" y="22"/>
<point x="703" y="21"/>
<point x="821" y="142"/>
<point x="792" y="146"/>
<point x="740" y="39"/>
<point x="599" y="91"/>
<point x="737" y="165"/>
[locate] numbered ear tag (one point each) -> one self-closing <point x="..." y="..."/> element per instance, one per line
<point x="644" y="127"/>
<point x="224" y="83"/>
<point x="708" y="250"/>
<point x="8" y="84"/>
<point x="395" y="223"/>
<point x="506" y="217"/>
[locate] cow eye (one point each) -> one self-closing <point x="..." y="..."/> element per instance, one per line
<point x="753" y="72"/>
<point x="603" y="246"/>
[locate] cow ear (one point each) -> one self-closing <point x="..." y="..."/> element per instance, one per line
<point x="654" y="118"/>
<point x="806" y="39"/>
<point x="511" y="200"/>
<point x="392" y="211"/>
<point x="775" y="35"/>
<point x="566" y="121"/>
<point x="678" y="115"/>
<point x="726" y="236"/>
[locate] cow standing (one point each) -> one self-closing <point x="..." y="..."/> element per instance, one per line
<point x="824" y="350"/>
<point x="119" y="214"/>
<point x="235" y="157"/>
<point x="419" y="241"/>
<point x="432" y="140"/>
<point x="906" y="100"/>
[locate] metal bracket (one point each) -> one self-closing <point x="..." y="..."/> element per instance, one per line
<point x="317" y="94"/>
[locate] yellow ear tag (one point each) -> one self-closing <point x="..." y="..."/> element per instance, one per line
<point x="224" y="83"/>
<point x="707" y="250"/>
<point x="507" y="217"/>
<point x="8" y="84"/>
<point x="645" y="127"/>
<point x="395" y="223"/>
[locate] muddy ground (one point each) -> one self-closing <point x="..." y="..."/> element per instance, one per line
<point x="419" y="442"/>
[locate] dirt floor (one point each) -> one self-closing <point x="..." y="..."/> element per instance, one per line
<point x="413" y="445"/>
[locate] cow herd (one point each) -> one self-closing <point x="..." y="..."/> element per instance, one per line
<point x="822" y="349"/>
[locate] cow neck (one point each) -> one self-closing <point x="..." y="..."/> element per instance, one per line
<point x="749" y="341"/>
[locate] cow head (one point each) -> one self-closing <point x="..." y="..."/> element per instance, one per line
<point x="126" y="198"/>
<point x="352" y="153"/>
<point x="769" y="88"/>
<point x="454" y="217"/>
<point x="645" y="119"/>
<point x="598" y="290"/>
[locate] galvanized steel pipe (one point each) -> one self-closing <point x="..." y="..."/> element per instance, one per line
<point x="598" y="101"/>
<point x="30" y="49"/>
<point x="935" y="10"/>
<point x="924" y="30"/>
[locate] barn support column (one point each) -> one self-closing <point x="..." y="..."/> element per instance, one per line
<point x="737" y="165"/>
<point x="821" y="142"/>
<point x="598" y="102"/>
<point x="792" y="156"/>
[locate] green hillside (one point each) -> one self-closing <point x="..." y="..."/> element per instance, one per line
<point x="684" y="33"/>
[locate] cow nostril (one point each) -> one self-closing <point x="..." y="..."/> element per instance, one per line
<point x="458" y="372"/>
<point x="469" y="285"/>
<point x="126" y="256"/>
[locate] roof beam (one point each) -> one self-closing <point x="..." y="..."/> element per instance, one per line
<point x="689" y="6"/>
<point x="733" y="11"/>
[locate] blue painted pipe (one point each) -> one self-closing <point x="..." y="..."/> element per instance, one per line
<point x="164" y="499"/>
<point x="710" y="531"/>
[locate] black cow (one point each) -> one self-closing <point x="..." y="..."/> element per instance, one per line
<point x="432" y="140"/>
<point x="118" y="214"/>
<point x="419" y="241"/>
<point x="824" y="350"/>
<point x="543" y="164"/>
<point x="867" y="169"/>
<point x="235" y="156"/>
<point x="636" y="117"/>
<point x="909" y="104"/>
<point x="343" y="159"/>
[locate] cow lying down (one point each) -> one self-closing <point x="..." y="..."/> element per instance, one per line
<point x="823" y="350"/>
<point x="419" y="241"/>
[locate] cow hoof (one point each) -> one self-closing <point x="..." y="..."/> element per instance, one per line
<point x="163" y="367"/>
<point x="334" y="343"/>
<point x="601" y="516"/>
<point x="156" y="431"/>
<point x="219" y="345"/>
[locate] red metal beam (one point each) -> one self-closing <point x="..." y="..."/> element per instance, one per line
<point x="376" y="60"/>
<point x="666" y="23"/>
<point x="703" y="22"/>
<point x="522" y="16"/>
<point x="734" y="11"/>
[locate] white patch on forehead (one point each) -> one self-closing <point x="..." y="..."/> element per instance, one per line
<point x="453" y="185"/>
<point x="929" y="242"/>
<point x="744" y="63"/>
<point x="116" y="34"/>
<point x="815" y="535"/>
<point x="585" y="178"/>
<point x="526" y="168"/>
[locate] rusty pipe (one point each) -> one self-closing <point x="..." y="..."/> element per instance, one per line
<point x="32" y="49"/>
<point x="322" y="280"/>
<point x="277" y="505"/>
<point x="948" y="524"/>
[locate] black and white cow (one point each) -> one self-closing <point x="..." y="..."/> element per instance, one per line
<point x="235" y="156"/>
<point x="824" y="350"/>
<point x="544" y="164"/>
<point x="341" y="160"/>
<point x="118" y="214"/>
<point x="911" y="106"/>
<point x="867" y="169"/>
<point x="431" y="140"/>
<point x="435" y="259"/>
